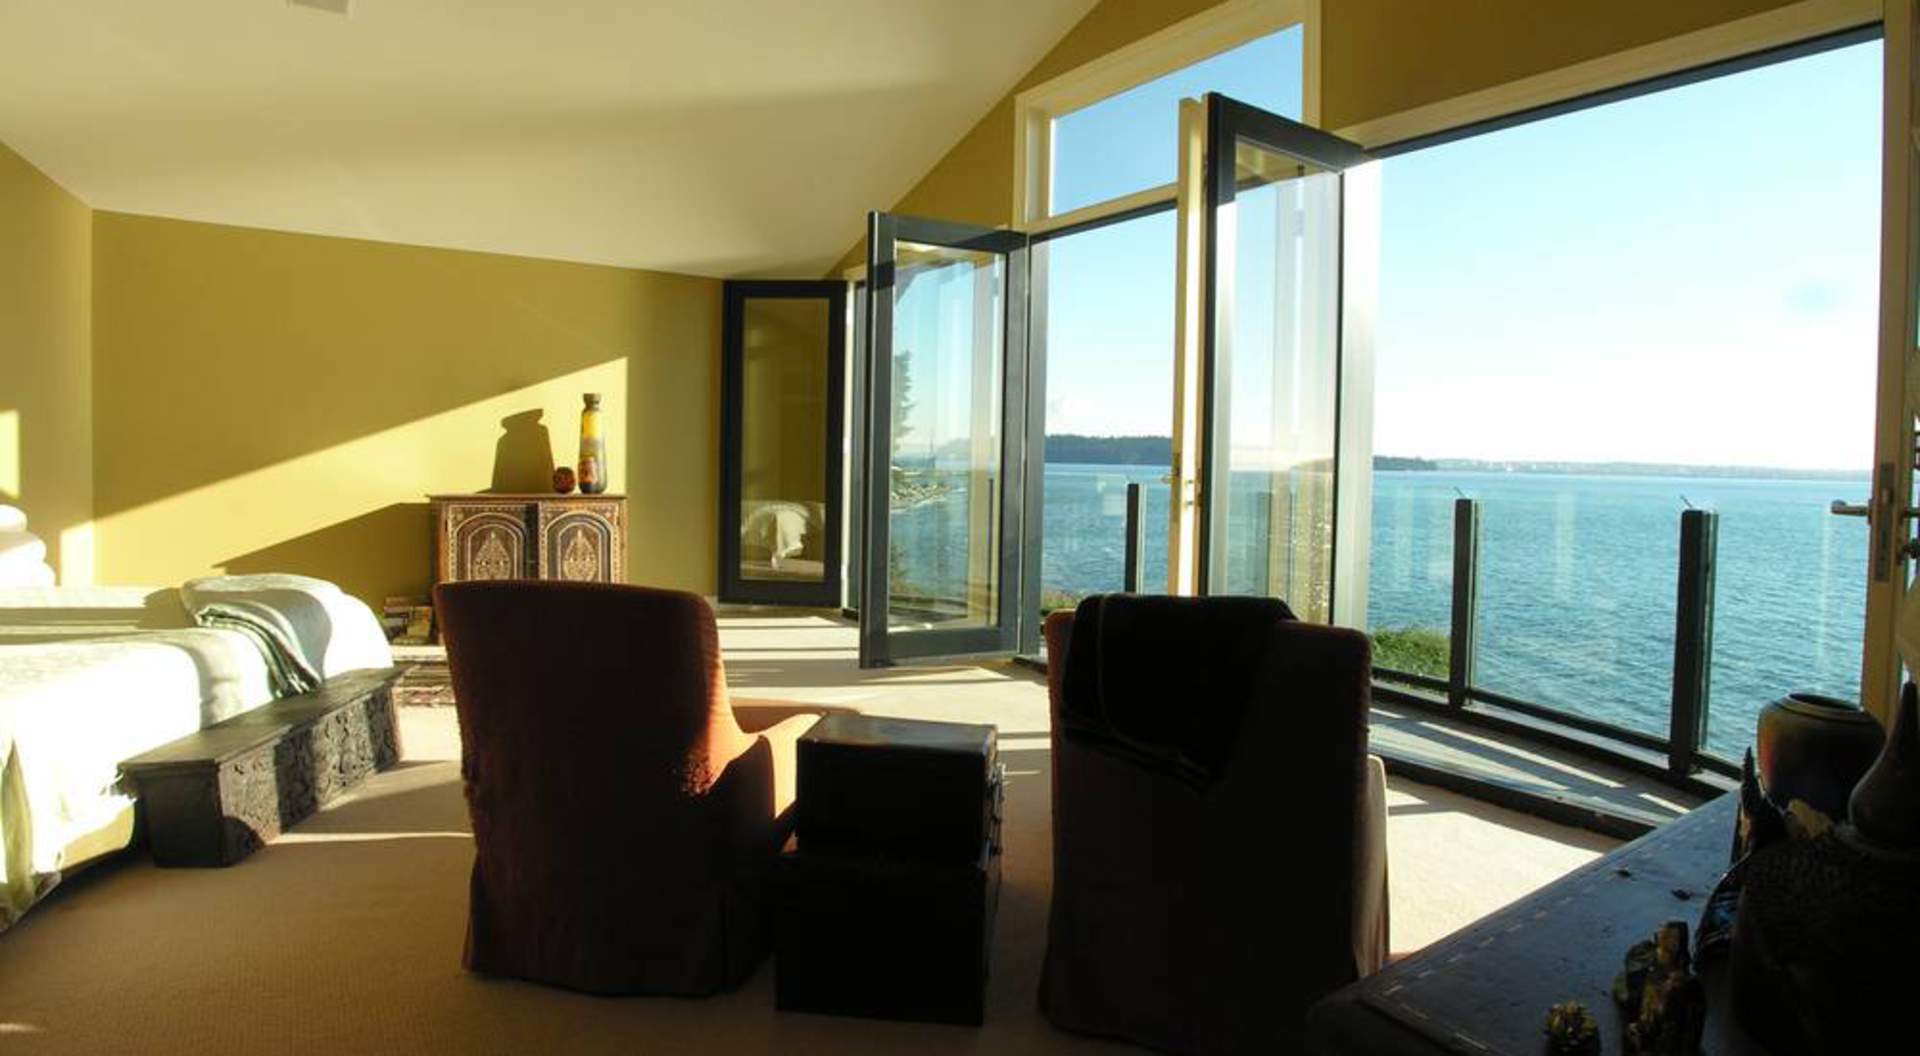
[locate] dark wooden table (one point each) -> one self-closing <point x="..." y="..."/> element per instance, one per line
<point x="1486" y="988"/>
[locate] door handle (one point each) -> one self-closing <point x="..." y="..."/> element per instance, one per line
<point x="1842" y="508"/>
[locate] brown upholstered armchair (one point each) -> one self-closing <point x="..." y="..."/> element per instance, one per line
<point x="623" y="821"/>
<point x="1208" y="921"/>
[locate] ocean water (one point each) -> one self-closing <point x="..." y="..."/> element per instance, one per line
<point x="1578" y="585"/>
<point x="1084" y="527"/>
<point x="1577" y="580"/>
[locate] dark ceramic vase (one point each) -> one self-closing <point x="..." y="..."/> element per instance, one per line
<point x="1815" y="748"/>
<point x="1885" y="809"/>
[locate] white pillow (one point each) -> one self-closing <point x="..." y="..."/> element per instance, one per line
<point x="20" y="546"/>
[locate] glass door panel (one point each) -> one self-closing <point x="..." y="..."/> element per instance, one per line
<point x="945" y="410"/>
<point x="1273" y="403"/>
<point x="945" y="476"/>
<point x="1277" y="353"/>
<point x="781" y="488"/>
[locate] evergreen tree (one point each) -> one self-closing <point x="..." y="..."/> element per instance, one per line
<point x="902" y="407"/>
<point x="902" y="394"/>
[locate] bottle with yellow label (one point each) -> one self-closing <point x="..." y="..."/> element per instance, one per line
<point x="593" y="448"/>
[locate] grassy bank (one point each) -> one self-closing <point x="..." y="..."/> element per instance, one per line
<point x="1413" y="650"/>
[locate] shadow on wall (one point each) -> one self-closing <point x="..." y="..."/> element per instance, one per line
<point x="404" y="333"/>
<point x="523" y="456"/>
<point x="386" y="552"/>
<point x="403" y="362"/>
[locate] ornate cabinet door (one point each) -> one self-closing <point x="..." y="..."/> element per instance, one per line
<point x="583" y="540"/>
<point x="483" y="540"/>
<point x="577" y="537"/>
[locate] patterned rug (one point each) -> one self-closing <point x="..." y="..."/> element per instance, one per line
<point x="425" y="684"/>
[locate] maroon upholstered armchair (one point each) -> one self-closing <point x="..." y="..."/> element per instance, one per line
<point x="1208" y="920"/>
<point x="623" y="821"/>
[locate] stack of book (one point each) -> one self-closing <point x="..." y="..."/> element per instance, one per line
<point x="407" y="620"/>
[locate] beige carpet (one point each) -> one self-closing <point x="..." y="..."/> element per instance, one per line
<point x="344" y="936"/>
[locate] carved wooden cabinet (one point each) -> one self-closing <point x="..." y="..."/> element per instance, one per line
<point x="578" y="537"/>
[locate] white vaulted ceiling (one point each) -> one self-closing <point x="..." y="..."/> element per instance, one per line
<point x="716" y="137"/>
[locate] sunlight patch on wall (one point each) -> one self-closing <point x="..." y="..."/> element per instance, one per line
<point x="10" y="453"/>
<point x="76" y="555"/>
<point x="354" y="512"/>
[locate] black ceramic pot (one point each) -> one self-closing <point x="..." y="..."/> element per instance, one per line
<point x="1886" y="805"/>
<point x="1815" y="748"/>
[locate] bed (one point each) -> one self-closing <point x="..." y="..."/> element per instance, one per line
<point x="90" y="676"/>
<point x="781" y="539"/>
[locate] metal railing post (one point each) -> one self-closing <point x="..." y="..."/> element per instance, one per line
<point x="1466" y="600"/>
<point x="1692" y="639"/>
<point x="1136" y="542"/>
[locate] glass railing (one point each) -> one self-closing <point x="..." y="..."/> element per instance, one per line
<point x="1087" y="534"/>
<point x="1410" y="579"/>
<point x="1790" y="605"/>
<point x="1619" y="608"/>
<point x="1579" y="603"/>
<point x="1576" y="596"/>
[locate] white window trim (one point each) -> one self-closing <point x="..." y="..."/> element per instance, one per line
<point x="1217" y="29"/>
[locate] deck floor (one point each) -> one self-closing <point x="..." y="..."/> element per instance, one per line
<point x="1565" y="785"/>
<point x="804" y="656"/>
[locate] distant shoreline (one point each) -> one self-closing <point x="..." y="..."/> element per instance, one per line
<point x="1074" y="449"/>
<point x="1614" y="469"/>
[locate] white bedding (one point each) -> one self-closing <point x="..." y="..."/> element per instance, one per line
<point x="92" y="676"/>
<point x="779" y="526"/>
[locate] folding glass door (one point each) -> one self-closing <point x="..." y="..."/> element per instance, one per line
<point x="781" y="460"/>
<point x="945" y="414"/>
<point x="1284" y="418"/>
<point x="1272" y="416"/>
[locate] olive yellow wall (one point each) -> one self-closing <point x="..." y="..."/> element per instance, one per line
<point x="270" y="401"/>
<point x="46" y="431"/>
<point x="1378" y="57"/>
<point x="973" y="183"/>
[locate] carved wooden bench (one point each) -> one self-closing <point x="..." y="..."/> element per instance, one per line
<point x="213" y="796"/>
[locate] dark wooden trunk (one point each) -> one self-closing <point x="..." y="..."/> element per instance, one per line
<point x="210" y="798"/>
<point x="885" y="899"/>
<point x="889" y="938"/>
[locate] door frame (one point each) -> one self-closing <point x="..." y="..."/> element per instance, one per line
<point x="828" y="592"/>
<point x="879" y="646"/>
<point x="1890" y="531"/>
<point x="853" y="355"/>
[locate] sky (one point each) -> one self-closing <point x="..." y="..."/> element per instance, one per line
<point x="1686" y="277"/>
<point x="1109" y="337"/>
<point x="934" y="332"/>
